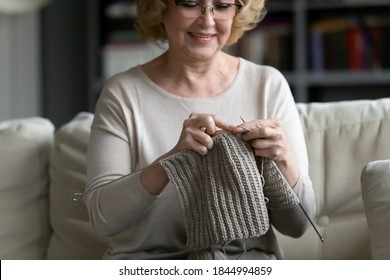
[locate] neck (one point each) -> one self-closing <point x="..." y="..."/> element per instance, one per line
<point x="195" y="79"/>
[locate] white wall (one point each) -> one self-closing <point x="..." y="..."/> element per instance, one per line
<point x="20" y="73"/>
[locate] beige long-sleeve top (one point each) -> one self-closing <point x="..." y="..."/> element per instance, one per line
<point x="136" y="121"/>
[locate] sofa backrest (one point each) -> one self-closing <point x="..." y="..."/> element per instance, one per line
<point x="341" y="137"/>
<point x="73" y="236"/>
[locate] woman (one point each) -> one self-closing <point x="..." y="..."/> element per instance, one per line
<point x="177" y="102"/>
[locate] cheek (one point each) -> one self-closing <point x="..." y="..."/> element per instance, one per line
<point x="224" y="32"/>
<point x="224" y="27"/>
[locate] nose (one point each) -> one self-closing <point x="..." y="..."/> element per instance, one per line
<point x="208" y="7"/>
<point x="207" y="16"/>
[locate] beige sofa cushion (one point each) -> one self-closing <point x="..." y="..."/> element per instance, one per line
<point x="375" y="181"/>
<point x="24" y="221"/>
<point x="73" y="237"/>
<point x="341" y="138"/>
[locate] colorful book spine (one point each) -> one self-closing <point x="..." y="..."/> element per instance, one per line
<point x="350" y="44"/>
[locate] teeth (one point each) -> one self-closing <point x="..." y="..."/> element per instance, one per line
<point x="202" y="36"/>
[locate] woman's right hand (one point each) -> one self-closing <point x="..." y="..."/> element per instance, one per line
<point x="198" y="130"/>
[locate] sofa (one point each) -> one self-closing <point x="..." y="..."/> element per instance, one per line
<point x="42" y="179"/>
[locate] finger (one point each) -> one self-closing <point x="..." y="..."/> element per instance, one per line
<point x="268" y="148"/>
<point x="199" y="143"/>
<point x="195" y="140"/>
<point x="203" y="139"/>
<point x="268" y="128"/>
<point x="241" y="128"/>
<point x="262" y="144"/>
<point x="267" y="153"/>
<point x="200" y="149"/>
<point x="273" y="123"/>
<point x="203" y="122"/>
<point x="220" y="123"/>
<point x="258" y="133"/>
<point x="193" y="115"/>
<point x="210" y="123"/>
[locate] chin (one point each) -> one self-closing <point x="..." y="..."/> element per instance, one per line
<point x="204" y="53"/>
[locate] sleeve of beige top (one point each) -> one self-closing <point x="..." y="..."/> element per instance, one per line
<point x="115" y="197"/>
<point x="293" y="221"/>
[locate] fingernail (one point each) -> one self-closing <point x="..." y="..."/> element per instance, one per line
<point x="239" y="129"/>
<point x="244" y="129"/>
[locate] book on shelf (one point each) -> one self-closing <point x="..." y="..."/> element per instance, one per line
<point x="349" y="44"/>
<point x="355" y="45"/>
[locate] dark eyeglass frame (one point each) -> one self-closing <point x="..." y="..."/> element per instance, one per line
<point x="204" y="6"/>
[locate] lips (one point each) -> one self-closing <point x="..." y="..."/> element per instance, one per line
<point x="203" y="37"/>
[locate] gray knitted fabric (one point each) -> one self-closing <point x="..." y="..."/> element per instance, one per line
<point x="279" y="193"/>
<point x="221" y="194"/>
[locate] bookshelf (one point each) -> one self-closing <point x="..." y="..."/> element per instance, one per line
<point x="114" y="43"/>
<point x="284" y="40"/>
<point x="107" y="20"/>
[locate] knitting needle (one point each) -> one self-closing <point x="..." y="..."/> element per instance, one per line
<point x="303" y="209"/>
<point x="307" y="216"/>
<point x="243" y="127"/>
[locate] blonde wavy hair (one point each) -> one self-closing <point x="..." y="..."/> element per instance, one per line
<point x="150" y="15"/>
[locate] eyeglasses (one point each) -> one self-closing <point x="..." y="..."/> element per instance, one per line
<point x="220" y="11"/>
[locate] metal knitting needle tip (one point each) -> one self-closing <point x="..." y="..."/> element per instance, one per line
<point x="243" y="127"/>
<point x="307" y="216"/>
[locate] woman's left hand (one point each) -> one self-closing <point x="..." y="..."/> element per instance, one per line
<point x="268" y="140"/>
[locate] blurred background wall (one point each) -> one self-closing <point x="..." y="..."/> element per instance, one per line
<point x="43" y="60"/>
<point x="20" y="87"/>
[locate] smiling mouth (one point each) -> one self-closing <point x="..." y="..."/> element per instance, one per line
<point x="202" y="36"/>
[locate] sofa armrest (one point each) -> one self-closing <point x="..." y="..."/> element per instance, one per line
<point x="375" y="184"/>
<point x="25" y="146"/>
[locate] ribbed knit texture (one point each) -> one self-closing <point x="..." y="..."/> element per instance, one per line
<point x="279" y="193"/>
<point x="221" y="194"/>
